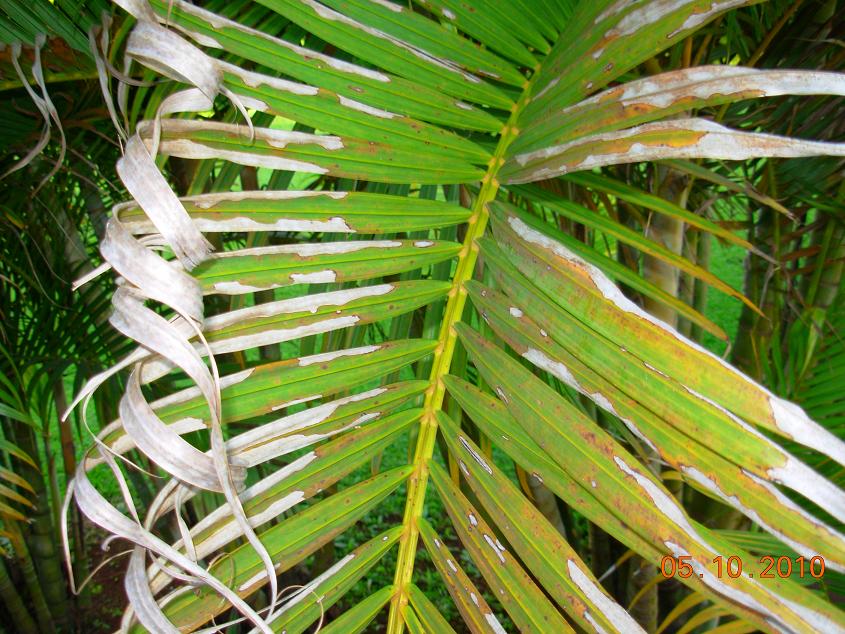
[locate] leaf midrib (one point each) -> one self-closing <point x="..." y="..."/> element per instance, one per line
<point x="443" y="355"/>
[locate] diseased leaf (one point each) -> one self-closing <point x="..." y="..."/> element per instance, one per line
<point x="429" y="617"/>
<point x="394" y="126"/>
<point x="428" y="36"/>
<point x="483" y="26"/>
<point x="310" y="153"/>
<point x="644" y="244"/>
<point x="259" y="391"/>
<point x="594" y="300"/>
<point x="300" y="480"/>
<point x="287" y="543"/>
<point x="519" y="595"/>
<point x="262" y="268"/>
<point x="389" y="52"/>
<point x="648" y="419"/>
<point x="655" y="203"/>
<point x="604" y="39"/>
<point x="357" y="618"/>
<point x="660" y="96"/>
<point x="676" y="139"/>
<point x="333" y="113"/>
<point x="468" y="598"/>
<point x="329" y="211"/>
<point x="591" y="456"/>
<point x="353" y="81"/>
<point x="311" y="602"/>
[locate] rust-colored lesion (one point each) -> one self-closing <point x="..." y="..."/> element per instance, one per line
<point x="58" y="60"/>
<point x="574" y="158"/>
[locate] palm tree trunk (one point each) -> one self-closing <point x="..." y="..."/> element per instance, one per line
<point x="31" y="579"/>
<point x="686" y="282"/>
<point x="546" y="503"/>
<point x="21" y="618"/>
<point x="821" y="288"/>
<point x="670" y="233"/>
<point x="762" y="287"/>
<point x="76" y="529"/>
<point x="42" y="540"/>
<point x="699" y="294"/>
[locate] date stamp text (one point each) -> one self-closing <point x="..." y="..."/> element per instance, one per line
<point x="770" y="567"/>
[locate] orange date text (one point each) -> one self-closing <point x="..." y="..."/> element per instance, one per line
<point x="771" y="567"/>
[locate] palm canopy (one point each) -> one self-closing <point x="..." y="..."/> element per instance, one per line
<point x="399" y="107"/>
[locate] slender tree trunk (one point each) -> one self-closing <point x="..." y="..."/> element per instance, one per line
<point x="546" y="503"/>
<point x="686" y="282"/>
<point x="601" y="555"/>
<point x="822" y="287"/>
<point x="32" y="580"/>
<point x="77" y="529"/>
<point x="42" y="539"/>
<point x="819" y="289"/>
<point x="699" y="295"/>
<point x="670" y="233"/>
<point x="21" y="618"/>
<point x="762" y="286"/>
<point x="65" y="432"/>
<point x="641" y="573"/>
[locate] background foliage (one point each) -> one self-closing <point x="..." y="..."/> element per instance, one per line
<point x="776" y="241"/>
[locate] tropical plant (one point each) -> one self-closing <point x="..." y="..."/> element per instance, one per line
<point x="56" y="175"/>
<point x="449" y="143"/>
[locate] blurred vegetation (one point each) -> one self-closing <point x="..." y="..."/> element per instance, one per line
<point x="52" y="338"/>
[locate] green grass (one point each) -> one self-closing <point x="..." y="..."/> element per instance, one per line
<point x="727" y="263"/>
